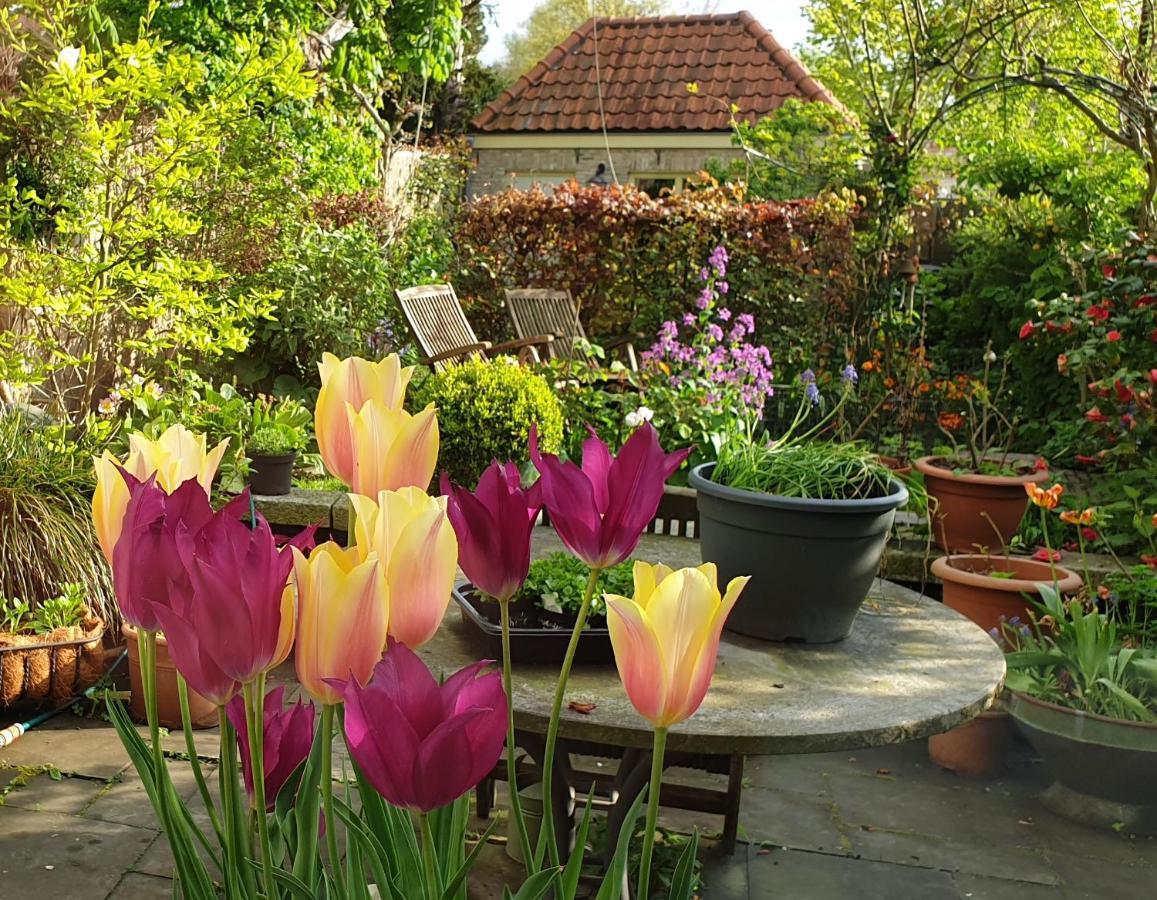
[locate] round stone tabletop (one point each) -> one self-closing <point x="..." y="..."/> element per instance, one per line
<point x="910" y="668"/>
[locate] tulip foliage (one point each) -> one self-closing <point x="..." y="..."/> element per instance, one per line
<point x="234" y="604"/>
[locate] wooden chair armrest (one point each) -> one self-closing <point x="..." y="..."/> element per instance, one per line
<point x="610" y="343"/>
<point x="456" y="352"/>
<point x="539" y="340"/>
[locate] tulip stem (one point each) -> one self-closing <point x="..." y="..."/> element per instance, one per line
<point x="546" y="837"/>
<point x="254" y="694"/>
<point x="1044" y="522"/>
<point x="327" y="713"/>
<point x="148" y="659"/>
<point x="653" y="791"/>
<point x="194" y="761"/>
<point x="433" y="888"/>
<point x="511" y="769"/>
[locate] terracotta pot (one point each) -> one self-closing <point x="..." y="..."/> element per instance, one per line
<point x="968" y="588"/>
<point x="201" y="711"/>
<point x="896" y="465"/>
<point x="974" y="512"/>
<point x="979" y="747"/>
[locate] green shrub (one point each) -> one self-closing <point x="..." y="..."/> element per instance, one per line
<point x="485" y="410"/>
<point x="275" y="439"/>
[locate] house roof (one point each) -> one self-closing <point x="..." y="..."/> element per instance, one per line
<point x="644" y="67"/>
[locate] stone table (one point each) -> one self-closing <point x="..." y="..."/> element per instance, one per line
<point x="910" y="668"/>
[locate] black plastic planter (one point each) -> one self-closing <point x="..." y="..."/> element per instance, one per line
<point x="811" y="562"/>
<point x="271" y="475"/>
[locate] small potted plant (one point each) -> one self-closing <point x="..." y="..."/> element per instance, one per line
<point x="977" y="490"/>
<point x="1083" y="682"/>
<point x="808" y="518"/>
<point x="272" y="453"/>
<point x="280" y="432"/>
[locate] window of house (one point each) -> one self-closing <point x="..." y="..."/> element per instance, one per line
<point x="656" y="184"/>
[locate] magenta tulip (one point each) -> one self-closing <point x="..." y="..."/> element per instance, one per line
<point x="494" y="525"/>
<point x="422" y="745"/>
<point x="601" y="509"/>
<point x="147" y="568"/>
<point x="238" y="576"/>
<point x="285" y="743"/>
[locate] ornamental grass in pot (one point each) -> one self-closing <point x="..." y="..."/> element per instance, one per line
<point x="805" y="517"/>
<point x="977" y="488"/>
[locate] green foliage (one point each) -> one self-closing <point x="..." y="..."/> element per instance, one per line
<point x="115" y="175"/>
<point x="46" y="534"/>
<point x="1079" y="661"/>
<point x="594" y="396"/>
<point x="815" y="470"/>
<point x="274" y="440"/>
<point x="485" y="411"/>
<point x="65" y="610"/>
<point x="558" y="583"/>
<point x="1131" y="600"/>
<point x="800" y="150"/>
<point x="633" y="261"/>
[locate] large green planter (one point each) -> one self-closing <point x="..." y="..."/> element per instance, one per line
<point x="1107" y="758"/>
<point x="811" y="562"/>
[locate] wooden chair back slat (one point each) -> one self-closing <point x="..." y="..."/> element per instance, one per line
<point x="535" y="311"/>
<point x="436" y="319"/>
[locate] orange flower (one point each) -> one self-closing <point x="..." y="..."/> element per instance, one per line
<point x="950" y="421"/>
<point x="868" y="366"/>
<point x="1045" y="498"/>
<point x="1084" y="517"/>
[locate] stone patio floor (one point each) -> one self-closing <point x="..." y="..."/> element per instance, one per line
<point x="75" y="823"/>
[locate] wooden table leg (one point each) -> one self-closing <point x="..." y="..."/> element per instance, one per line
<point x="734" y="797"/>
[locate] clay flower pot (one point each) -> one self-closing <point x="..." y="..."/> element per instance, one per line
<point x="969" y="588"/>
<point x="978" y="748"/>
<point x="201" y="711"/>
<point x="974" y="511"/>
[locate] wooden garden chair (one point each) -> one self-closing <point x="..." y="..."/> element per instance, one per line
<point x="547" y="311"/>
<point x="444" y="335"/>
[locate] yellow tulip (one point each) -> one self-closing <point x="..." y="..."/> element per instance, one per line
<point x="391" y="448"/>
<point x="288" y="629"/>
<point x="342" y="616"/>
<point x="175" y="457"/>
<point x="410" y="532"/>
<point x="666" y="638"/>
<point x="353" y="381"/>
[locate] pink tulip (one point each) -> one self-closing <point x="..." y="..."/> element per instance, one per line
<point x="494" y="525"/>
<point x="191" y="656"/>
<point x="601" y="509"/>
<point x="147" y="568"/>
<point x="422" y="745"/>
<point x="238" y="576"/>
<point x="286" y="740"/>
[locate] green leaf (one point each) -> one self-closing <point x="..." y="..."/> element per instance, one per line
<point x="683" y="881"/>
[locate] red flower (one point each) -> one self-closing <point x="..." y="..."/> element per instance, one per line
<point x="1026" y="330"/>
<point x="1109" y="271"/>
<point x="1040" y="464"/>
<point x="1090" y="534"/>
<point x="1153" y="335"/>
<point x="1146" y="300"/>
<point x="1063" y="363"/>
<point x="1150" y="560"/>
<point x="1127" y="421"/>
<point x="1153" y="376"/>
<point x="1095" y="415"/>
<point x="1098" y="313"/>
<point x="1124" y="393"/>
<point x="1087" y="460"/>
<point x="1113" y="335"/>
<point x="1045" y="555"/>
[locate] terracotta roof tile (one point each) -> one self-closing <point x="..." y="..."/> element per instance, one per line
<point x="644" y="65"/>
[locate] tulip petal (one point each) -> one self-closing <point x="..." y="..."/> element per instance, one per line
<point x="421" y="575"/>
<point x="596" y="466"/>
<point x="638" y="657"/>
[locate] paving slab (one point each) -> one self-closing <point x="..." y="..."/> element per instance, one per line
<point x="782" y="874"/>
<point x="52" y="855"/>
<point x="792" y="819"/>
<point x="66" y="794"/>
<point x="126" y="802"/>
<point x="979" y="887"/>
<point x="136" y="886"/>
<point x="72" y="744"/>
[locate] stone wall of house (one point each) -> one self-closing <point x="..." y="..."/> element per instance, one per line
<point x="497" y="169"/>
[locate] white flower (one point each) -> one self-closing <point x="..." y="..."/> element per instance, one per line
<point x="990" y="356"/>
<point x="637" y="417"/>
<point x="68" y="58"/>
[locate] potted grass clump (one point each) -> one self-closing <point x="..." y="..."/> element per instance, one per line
<point x="976" y="489"/>
<point x="279" y="433"/>
<point x="805" y="517"/>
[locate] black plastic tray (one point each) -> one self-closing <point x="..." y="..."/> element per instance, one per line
<point x="531" y="639"/>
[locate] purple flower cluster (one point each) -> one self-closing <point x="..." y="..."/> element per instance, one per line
<point x="713" y="353"/>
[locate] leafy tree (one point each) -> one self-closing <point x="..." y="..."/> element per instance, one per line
<point x="551" y="23"/>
